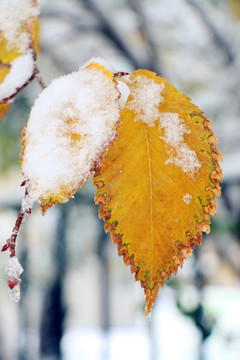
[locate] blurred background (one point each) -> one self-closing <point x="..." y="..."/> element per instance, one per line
<point x="78" y="299"/>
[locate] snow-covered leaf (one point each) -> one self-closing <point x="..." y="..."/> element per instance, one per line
<point x="18" y="44"/>
<point x="70" y="127"/>
<point x="17" y="24"/>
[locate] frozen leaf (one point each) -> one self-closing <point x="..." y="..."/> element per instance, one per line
<point x="70" y="127"/>
<point x="156" y="187"/>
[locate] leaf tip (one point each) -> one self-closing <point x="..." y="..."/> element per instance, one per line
<point x="150" y="296"/>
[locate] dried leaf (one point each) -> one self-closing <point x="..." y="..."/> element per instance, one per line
<point x="157" y="185"/>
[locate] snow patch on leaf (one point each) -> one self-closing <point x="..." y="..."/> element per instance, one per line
<point x="13" y="271"/>
<point x="14" y="15"/>
<point x="71" y="124"/>
<point x="187" y="199"/>
<point x="21" y="70"/>
<point x="145" y="99"/>
<point x="180" y="154"/>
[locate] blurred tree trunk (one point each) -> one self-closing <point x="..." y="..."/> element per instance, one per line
<point x="51" y="329"/>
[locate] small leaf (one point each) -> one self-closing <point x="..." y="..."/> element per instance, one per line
<point x="157" y="184"/>
<point x="18" y="30"/>
<point x="18" y="35"/>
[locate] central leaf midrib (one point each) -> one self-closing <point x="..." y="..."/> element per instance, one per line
<point x="151" y="196"/>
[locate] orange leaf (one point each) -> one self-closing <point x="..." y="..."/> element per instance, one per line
<point x="157" y="184"/>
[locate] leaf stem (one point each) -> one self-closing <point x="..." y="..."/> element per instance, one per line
<point x="38" y="77"/>
<point x="18" y="90"/>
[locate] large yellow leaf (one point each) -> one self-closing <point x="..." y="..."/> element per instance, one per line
<point x="157" y="185"/>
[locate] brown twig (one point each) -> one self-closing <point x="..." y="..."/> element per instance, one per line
<point x="38" y="77"/>
<point x="36" y="72"/>
<point x="18" y="90"/>
<point x="11" y="242"/>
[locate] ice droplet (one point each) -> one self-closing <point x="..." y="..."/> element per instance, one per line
<point x="13" y="271"/>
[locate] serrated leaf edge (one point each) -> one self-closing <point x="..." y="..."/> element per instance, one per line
<point x="183" y="250"/>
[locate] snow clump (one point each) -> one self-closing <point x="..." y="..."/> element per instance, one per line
<point x="145" y="99"/>
<point x="180" y="153"/>
<point x="21" y="71"/>
<point x="71" y="124"/>
<point x="14" y="15"/>
<point x="146" y="96"/>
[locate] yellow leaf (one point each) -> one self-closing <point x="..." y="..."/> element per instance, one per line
<point x="235" y="7"/>
<point x="157" y="185"/>
<point x="6" y="55"/>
